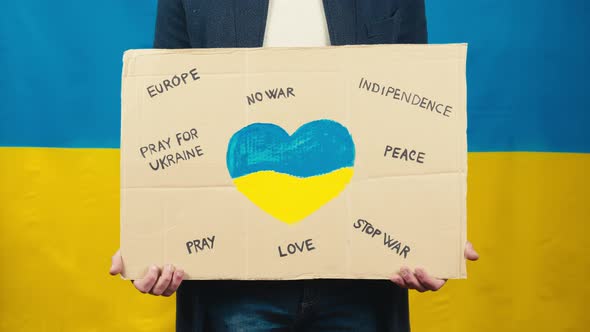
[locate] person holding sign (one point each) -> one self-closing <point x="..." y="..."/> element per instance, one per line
<point x="302" y="305"/>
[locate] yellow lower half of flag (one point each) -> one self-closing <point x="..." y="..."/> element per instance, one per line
<point x="527" y="215"/>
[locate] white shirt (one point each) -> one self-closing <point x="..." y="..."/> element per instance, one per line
<point x="297" y="23"/>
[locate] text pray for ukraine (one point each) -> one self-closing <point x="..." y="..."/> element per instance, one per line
<point x="169" y="159"/>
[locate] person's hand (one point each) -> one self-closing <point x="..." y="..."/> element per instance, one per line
<point x="155" y="282"/>
<point x="421" y="281"/>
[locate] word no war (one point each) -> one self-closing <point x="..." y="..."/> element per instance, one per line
<point x="276" y="93"/>
<point x="409" y="97"/>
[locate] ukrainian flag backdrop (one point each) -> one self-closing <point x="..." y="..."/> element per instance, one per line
<point x="529" y="186"/>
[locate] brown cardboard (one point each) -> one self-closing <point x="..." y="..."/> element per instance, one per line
<point x="208" y="95"/>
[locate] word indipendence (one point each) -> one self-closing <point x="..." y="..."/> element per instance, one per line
<point x="411" y="98"/>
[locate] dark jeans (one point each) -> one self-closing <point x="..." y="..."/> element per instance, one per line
<point x="307" y="305"/>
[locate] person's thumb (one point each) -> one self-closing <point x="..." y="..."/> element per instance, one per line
<point x="470" y="253"/>
<point x="116" y="263"/>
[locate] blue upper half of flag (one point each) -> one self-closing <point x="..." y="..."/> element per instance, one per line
<point x="527" y="70"/>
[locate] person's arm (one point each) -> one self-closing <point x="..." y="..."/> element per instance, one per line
<point x="171" y="26"/>
<point x="413" y="28"/>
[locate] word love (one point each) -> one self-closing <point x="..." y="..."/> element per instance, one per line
<point x="297" y="247"/>
<point x="404" y="154"/>
<point x="194" y="246"/>
<point x="181" y="139"/>
<point x="173" y="82"/>
<point x="388" y="241"/>
<point x="276" y="93"/>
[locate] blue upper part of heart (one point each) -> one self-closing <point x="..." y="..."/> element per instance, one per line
<point x="316" y="148"/>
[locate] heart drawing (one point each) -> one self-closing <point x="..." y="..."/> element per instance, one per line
<point x="291" y="176"/>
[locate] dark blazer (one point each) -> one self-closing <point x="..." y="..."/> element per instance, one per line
<point x="241" y="23"/>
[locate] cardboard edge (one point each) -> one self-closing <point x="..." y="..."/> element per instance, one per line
<point x="463" y="238"/>
<point x="128" y="60"/>
<point x="134" y="53"/>
<point x="130" y="56"/>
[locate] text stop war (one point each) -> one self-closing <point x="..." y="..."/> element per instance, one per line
<point x="388" y="241"/>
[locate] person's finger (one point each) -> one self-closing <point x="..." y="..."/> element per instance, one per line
<point x="427" y="281"/>
<point x="470" y="253"/>
<point x="116" y="263"/>
<point x="163" y="281"/>
<point x="176" y="280"/>
<point x="147" y="283"/>
<point x="411" y="280"/>
<point x="398" y="280"/>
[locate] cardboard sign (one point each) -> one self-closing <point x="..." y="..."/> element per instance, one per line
<point x="294" y="163"/>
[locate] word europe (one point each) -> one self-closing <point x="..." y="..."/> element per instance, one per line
<point x="174" y="81"/>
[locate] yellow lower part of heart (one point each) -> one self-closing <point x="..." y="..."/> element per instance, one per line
<point x="289" y="198"/>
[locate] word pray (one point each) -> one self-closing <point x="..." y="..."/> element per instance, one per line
<point x="200" y="244"/>
<point x="276" y="93"/>
<point x="389" y="242"/>
<point x="405" y="154"/>
<point x="293" y="248"/>
<point x="175" y="81"/>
